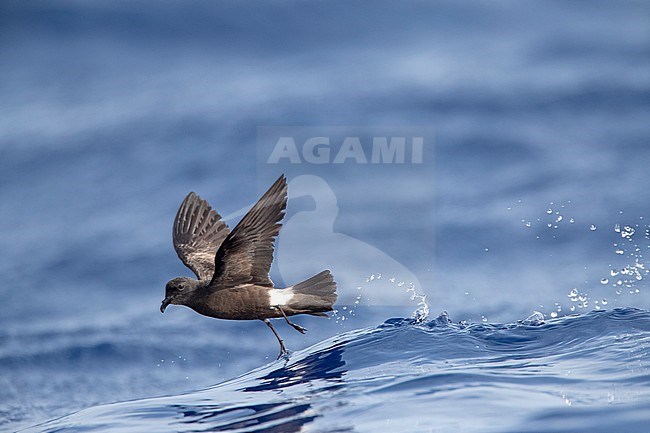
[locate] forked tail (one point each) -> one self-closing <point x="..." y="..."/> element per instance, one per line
<point x="315" y="295"/>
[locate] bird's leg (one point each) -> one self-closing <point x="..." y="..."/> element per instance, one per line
<point x="283" y="350"/>
<point x="296" y="327"/>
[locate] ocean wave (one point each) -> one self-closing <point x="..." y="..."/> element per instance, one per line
<point x="408" y="375"/>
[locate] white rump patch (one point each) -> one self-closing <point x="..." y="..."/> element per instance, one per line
<point x="280" y="297"/>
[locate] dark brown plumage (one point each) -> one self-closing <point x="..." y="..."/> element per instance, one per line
<point x="233" y="267"/>
<point x="198" y="232"/>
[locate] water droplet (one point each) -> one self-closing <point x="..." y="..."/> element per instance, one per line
<point x="487" y="249"/>
<point x="571" y="220"/>
<point x="549" y="225"/>
<point x="558" y="219"/>
<point x="604" y="281"/>
<point x="553" y="314"/>
<point x="604" y="301"/>
<point x="619" y="252"/>
<point x="627" y="232"/>
<point x="528" y="224"/>
<point x="617" y="228"/>
<point x="592" y="227"/>
<point x="613" y="272"/>
<point x="549" y="211"/>
<point x="508" y="208"/>
<point x="572" y="308"/>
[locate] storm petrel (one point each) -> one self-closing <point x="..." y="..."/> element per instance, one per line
<point x="233" y="266"/>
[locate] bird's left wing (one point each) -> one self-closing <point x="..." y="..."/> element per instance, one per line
<point x="198" y="232"/>
<point x="246" y="254"/>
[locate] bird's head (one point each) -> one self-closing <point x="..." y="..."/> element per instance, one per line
<point x="178" y="291"/>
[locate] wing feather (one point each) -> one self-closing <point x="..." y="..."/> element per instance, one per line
<point x="246" y="254"/>
<point x="197" y="233"/>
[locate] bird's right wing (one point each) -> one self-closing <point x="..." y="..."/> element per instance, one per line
<point x="246" y="254"/>
<point x="198" y="232"/>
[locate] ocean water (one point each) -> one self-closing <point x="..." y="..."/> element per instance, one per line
<point x="582" y="373"/>
<point x="527" y="219"/>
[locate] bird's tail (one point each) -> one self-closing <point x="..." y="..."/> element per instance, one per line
<point x="315" y="295"/>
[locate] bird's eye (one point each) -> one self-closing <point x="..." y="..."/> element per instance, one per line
<point x="181" y="287"/>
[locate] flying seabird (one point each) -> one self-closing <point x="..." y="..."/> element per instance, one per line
<point x="232" y="267"/>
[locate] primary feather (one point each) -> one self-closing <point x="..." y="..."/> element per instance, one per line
<point x="197" y="233"/>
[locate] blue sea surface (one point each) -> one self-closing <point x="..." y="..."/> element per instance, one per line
<point x="582" y="373"/>
<point x="527" y="219"/>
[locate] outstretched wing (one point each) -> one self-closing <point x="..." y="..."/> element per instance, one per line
<point x="198" y="232"/>
<point x="245" y="256"/>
